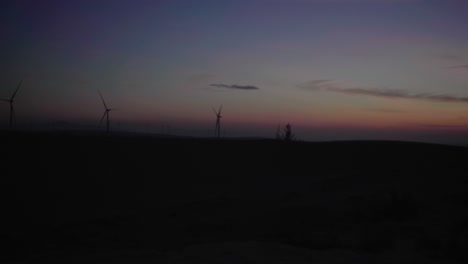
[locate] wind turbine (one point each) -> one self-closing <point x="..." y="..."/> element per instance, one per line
<point x="12" y="109"/>
<point x="106" y="113"/>
<point x="218" y="121"/>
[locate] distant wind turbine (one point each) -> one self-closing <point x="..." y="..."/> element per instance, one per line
<point x="106" y="113"/>
<point x="12" y="109"/>
<point x="218" y="121"/>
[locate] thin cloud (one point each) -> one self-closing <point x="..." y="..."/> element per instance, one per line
<point x="450" y="57"/>
<point x="235" y="86"/>
<point x="442" y="126"/>
<point x="316" y="85"/>
<point x="330" y="86"/>
<point x="465" y="67"/>
<point x="385" y="110"/>
<point x="445" y="98"/>
<point x="388" y="93"/>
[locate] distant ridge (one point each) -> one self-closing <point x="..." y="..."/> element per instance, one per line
<point x="149" y="135"/>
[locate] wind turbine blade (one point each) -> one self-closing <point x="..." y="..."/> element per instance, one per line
<point x="17" y="88"/>
<point x="5" y="100"/>
<point x="103" y="116"/>
<point x="102" y="98"/>
<point x="220" y="108"/>
<point x="214" y="111"/>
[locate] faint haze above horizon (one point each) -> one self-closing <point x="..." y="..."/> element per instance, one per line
<point x="334" y="69"/>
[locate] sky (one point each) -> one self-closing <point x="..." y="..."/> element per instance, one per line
<point x="334" y="69"/>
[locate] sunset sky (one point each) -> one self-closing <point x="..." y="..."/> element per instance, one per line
<point x="334" y="69"/>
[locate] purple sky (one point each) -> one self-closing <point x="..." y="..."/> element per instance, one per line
<point x="335" y="69"/>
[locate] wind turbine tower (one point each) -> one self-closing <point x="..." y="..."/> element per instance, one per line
<point x="12" y="109"/>
<point x="218" y="121"/>
<point x="106" y="114"/>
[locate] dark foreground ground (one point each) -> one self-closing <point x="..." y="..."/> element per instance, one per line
<point x="126" y="199"/>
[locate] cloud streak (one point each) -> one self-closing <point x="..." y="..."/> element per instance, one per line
<point x="330" y="86"/>
<point x="235" y="86"/>
<point x="450" y="57"/>
<point x="385" y="110"/>
<point x="465" y="67"/>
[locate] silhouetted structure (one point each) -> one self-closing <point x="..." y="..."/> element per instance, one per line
<point x="278" y="133"/>
<point x="106" y="114"/>
<point x="218" y="121"/>
<point x="12" y="110"/>
<point x="287" y="134"/>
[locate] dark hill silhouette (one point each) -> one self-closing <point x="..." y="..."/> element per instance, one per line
<point x="90" y="196"/>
